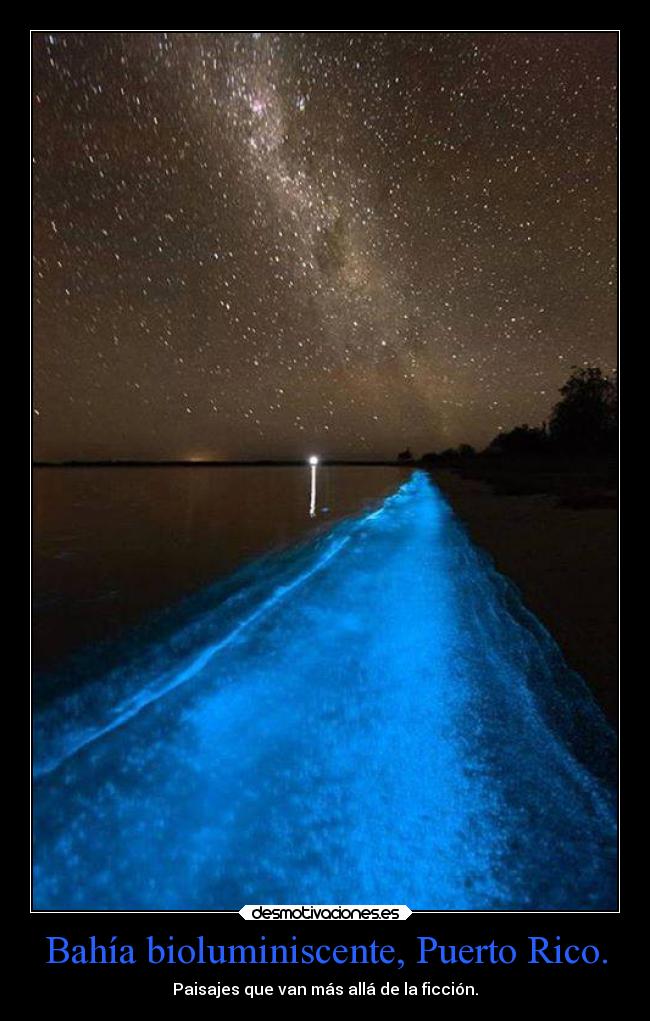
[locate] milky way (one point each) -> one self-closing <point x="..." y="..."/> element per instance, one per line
<point x="268" y="244"/>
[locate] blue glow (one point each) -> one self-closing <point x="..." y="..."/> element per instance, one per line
<point x="371" y="717"/>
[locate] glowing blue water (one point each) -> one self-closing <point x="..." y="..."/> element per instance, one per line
<point x="373" y="717"/>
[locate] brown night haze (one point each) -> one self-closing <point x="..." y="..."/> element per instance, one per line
<point x="258" y="244"/>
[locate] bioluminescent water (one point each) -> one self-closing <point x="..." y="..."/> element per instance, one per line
<point x="369" y="717"/>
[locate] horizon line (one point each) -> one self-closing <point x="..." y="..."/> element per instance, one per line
<point x="116" y="462"/>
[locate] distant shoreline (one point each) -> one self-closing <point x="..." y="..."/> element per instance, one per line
<point x="220" y="464"/>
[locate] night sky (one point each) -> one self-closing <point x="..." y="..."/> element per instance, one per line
<point x="273" y="244"/>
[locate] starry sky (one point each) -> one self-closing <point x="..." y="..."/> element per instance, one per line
<point x="268" y="244"/>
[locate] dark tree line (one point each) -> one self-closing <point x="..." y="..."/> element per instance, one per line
<point x="587" y="416"/>
<point x="584" y="421"/>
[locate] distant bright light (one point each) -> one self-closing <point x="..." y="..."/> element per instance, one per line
<point x="313" y="459"/>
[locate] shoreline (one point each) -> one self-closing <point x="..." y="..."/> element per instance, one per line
<point x="563" y="560"/>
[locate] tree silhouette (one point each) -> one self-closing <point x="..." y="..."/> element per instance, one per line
<point x="521" y="440"/>
<point x="585" y="419"/>
<point x="466" y="450"/>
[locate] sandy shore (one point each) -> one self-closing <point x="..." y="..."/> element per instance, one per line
<point x="565" y="564"/>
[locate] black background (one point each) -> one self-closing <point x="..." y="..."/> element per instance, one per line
<point x="530" y="986"/>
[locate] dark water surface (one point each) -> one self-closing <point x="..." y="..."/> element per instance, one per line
<point x="113" y="545"/>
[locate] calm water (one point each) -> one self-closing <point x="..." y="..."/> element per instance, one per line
<point x="115" y="545"/>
